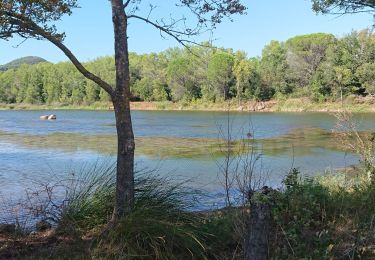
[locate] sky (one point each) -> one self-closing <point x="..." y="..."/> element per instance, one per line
<point x="89" y="31"/>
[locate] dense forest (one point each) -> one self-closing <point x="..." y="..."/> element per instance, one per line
<point x="318" y="65"/>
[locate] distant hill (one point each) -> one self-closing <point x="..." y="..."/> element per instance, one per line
<point x="18" y="62"/>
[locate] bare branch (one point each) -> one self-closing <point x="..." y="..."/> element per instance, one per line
<point x="167" y="30"/>
<point x="206" y="15"/>
<point x="127" y="3"/>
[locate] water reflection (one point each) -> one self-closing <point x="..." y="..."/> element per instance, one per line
<point x="178" y="143"/>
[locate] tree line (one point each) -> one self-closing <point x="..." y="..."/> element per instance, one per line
<point x="320" y="66"/>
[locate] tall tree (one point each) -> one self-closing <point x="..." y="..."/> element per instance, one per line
<point x="304" y="55"/>
<point x="180" y="74"/>
<point x="274" y="66"/>
<point x="36" y="18"/>
<point x="220" y="73"/>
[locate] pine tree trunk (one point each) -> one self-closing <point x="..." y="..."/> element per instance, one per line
<point x="125" y="161"/>
<point x="121" y="102"/>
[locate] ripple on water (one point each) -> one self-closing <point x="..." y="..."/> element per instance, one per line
<point x="23" y="160"/>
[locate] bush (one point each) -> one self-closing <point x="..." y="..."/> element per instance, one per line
<point x="318" y="219"/>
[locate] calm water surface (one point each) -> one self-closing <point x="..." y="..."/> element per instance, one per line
<point x="21" y="163"/>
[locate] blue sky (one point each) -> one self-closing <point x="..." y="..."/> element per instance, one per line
<point x="89" y="30"/>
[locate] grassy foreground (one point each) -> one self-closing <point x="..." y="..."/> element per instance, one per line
<point x="304" y="104"/>
<point x="321" y="218"/>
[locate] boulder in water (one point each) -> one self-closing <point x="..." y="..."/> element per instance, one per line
<point x="52" y="117"/>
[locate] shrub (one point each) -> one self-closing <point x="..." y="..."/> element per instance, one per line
<point x="318" y="218"/>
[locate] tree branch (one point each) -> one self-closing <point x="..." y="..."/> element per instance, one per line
<point x="28" y="27"/>
<point x="173" y="33"/>
<point x="127" y="3"/>
<point x="103" y="84"/>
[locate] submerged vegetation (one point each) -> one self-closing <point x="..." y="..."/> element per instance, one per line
<point x="303" y="141"/>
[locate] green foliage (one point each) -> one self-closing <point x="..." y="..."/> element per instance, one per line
<point x="323" y="217"/>
<point x="33" y="19"/>
<point x="304" y="56"/>
<point x="220" y="75"/>
<point x="180" y="73"/>
<point x="366" y="77"/>
<point x="264" y="93"/>
<point x="273" y="67"/>
<point x="320" y="87"/>
<point x="315" y="65"/>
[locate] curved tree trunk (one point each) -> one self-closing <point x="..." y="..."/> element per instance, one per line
<point x="121" y="103"/>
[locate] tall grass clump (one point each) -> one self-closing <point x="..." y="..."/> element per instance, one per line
<point x="89" y="199"/>
<point x="161" y="225"/>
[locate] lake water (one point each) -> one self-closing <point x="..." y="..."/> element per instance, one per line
<point x="176" y="143"/>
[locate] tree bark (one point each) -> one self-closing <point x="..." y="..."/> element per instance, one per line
<point x="125" y="160"/>
<point x="121" y="103"/>
<point x="258" y="226"/>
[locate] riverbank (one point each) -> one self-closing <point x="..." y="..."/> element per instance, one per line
<point x="351" y="103"/>
<point x="322" y="218"/>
